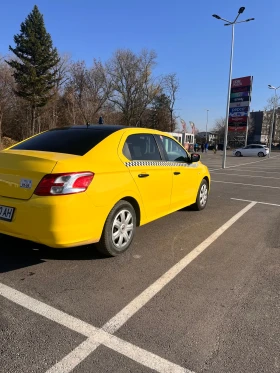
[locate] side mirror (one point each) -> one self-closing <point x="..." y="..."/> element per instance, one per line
<point x="195" y="157"/>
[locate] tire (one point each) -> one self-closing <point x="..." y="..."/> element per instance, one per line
<point x="202" y="196"/>
<point x="260" y="154"/>
<point x="238" y="154"/>
<point x="121" y="223"/>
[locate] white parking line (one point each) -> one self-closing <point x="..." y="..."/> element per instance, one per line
<point x="248" y="170"/>
<point x="265" y="167"/>
<point x="96" y="337"/>
<point x="104" y="336"/>
<point x="255" y="176"/>
<point x="254" y="185"/>
<point x="244" y="164"/>
<point x="127" y="312"/>
<point x="258" y="202"/>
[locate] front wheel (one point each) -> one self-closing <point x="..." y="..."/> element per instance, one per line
<point x="237" y="154"/>
<point x="119" y="229"/>
<point x="202" y="196"/>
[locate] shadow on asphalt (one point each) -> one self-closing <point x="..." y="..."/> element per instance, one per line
<point x="16" y="253"/>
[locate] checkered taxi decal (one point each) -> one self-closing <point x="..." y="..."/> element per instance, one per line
<point x="159" y="163"/>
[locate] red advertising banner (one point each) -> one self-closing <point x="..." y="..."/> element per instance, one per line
<point x="241" y="82"/>
<point x="237" y="129"/>
<point x="237" y="119"/>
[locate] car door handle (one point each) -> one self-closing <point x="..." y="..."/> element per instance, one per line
<point x="143" y="175"/>
<point x="177" y="173"/>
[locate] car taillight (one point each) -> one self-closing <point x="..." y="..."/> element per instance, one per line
<point x="61" y="184"/>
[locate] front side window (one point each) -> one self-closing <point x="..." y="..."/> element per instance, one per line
<point x="140" y="147"/>
<point x="174" y="151"/>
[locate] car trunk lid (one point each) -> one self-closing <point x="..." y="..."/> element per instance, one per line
<point x="22" y="170"/>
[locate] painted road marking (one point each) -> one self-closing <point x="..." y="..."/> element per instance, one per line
<point x="96" y="336"/>
<point x="249" y="170"/>
<point x="127" y="312"/>
<point x="256" y="176"/>
<point x="244" y="164"/>
<point x="258" y="202"/>
<point x="254" y="185"/>
<point x="104" y="336"/>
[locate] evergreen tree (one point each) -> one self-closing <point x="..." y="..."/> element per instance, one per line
<point x="35" y="69"/>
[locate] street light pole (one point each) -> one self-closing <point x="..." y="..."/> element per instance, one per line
<point x="228" y="99"/>
<point x="273" y="118"/>
<point x="232" y="24"/>
<point x="207" y="125"/>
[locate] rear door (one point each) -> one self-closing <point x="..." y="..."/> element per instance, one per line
<point x="151" y="174"/>
<point x="258" y="149"/>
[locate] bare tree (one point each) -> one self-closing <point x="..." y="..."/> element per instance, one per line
<point x="133" y="85"/>
<point x="99" y="86"/>
<point x="77" y="88"/>
<point x="88" y="89"/>
<point x="219" y="129"/>
<point x="171" y="87"/>
<point x="273" y="100"/>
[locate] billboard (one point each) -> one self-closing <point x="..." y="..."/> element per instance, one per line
<point x="239" y="104"/>
<point x="239" y="99"/>
<point x="239" y="108"/>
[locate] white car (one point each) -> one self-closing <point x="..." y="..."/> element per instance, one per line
<point x="251" y="151"/>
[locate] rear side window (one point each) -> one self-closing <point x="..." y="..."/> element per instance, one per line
<point x="65" y="140"/>
<point x="141" y="147"/>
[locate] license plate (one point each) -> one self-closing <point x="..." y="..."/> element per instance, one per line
<point x="6" y="213"/>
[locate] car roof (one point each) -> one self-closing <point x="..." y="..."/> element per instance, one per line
<point x="111" y="128"/>
<point x="92" y="127"/>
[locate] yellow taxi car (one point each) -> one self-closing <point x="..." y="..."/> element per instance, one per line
<point x="84" y="184"/>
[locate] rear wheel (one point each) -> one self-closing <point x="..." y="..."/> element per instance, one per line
<point x="202" y="196"/>
<point x="260" y="154"/>
<point x="237" y="154"/>
<point x="119" y="230"/>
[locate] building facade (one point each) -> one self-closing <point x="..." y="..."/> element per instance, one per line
<point x="261" y="123"/>
<point x="211" y="136"/>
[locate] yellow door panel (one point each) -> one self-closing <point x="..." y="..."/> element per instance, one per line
<point x="152" y="176"/>
<point x="185" y="185"/>
<point x="185" y="174"/>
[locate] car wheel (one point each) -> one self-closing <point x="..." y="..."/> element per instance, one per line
<point x="202" y="196"/>
<point x="119" y="229"/>
<point x="260" y="154"/>
<point x="237" y="154"/>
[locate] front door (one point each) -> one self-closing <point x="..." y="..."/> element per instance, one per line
<point x="152" y="176"/>
<point x="185" y="174"/>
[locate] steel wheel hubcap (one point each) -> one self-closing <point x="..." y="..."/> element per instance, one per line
<point x="122" y="229"/>
<point x="203" y="195"/>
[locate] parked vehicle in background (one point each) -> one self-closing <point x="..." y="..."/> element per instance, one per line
<point x="252" y="150"/>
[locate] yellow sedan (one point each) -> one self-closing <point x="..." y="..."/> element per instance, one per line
<point x="84" y="184"/>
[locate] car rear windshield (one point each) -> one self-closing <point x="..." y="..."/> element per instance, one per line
<point x="65" y="140"/>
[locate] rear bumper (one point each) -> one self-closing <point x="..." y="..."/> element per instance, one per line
<point x="58" y="221"/>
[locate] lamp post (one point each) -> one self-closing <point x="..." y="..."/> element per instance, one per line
<point x="273" y="118"/>
<point x="232" y="24"/>
<point x="207" y="125"/>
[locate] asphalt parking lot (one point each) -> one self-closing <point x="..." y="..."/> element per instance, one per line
<point x="196" y="292"/>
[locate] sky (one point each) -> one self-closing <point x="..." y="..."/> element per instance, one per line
<point x="187" y="39"/>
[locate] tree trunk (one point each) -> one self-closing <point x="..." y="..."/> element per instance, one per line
<point x="33" y="119"/>
<point x="1" y="117"/>
<point x="39" y="124"/>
